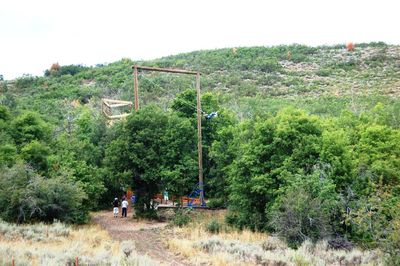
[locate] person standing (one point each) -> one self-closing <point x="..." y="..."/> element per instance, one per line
<point x="165" y="194"/>
<point x="124" y="205"/>
<point x="115" y="210"/>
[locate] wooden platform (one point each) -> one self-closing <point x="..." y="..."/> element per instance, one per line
<point x="108" y="105"/>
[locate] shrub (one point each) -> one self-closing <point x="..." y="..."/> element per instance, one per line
<point x="266" y="65"/>
<point x="8" y="154"/>
<point x="306" y="210"/>
<point x="29" y="126"/>
<point x="231" y="218"/>
<point x="214" y="227"/>
<point x="216" y="203"/>
<point x="298" y="58"/>
<point x="54" y="68"/>
<point x="25" y="81"/>
<point x="346" y="65"/>
<point x="57" y="70"/>
<point x="340" y="243"/>
<point x="350" y="46"/>
<point x="26" y="196"/>
<point x="275" y="148"/>
<point x="273" y="243"/>
<point x="71" y="70"/>
<point x="35" y="153"/>
<point x="324" y="72"/>
<point x="36" y="232"/>
<point x="56" y="198"/>
<point x="181" y="218"/>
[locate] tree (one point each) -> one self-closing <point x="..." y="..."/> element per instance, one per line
<point x="8" y="154"/>
<point x="35" y="153"/>
<point x="136" y="156"/>
<point x="4" y="113"/>
<point x="185" y="105"/>
<point x="335" y="157"/>
<point x="378" y="154"/>
<point x="8" y="150"/>
<point x="277" y="147"/>
<point x="28" y="126"/>
<point x="180" y="170"/>
<point x="153" y="151"/>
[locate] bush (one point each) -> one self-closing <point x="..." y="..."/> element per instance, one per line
<point x="57" y="70"/>
<point x="346" y="65"/>
<point x="29" y="126"/>
<point x="8" y="154"/>
<point x="26" y="81"/>
<point x="276" y="147"/>
<point x="324" y="72"/>
<point x="216" y="203"/>
<point x="306" y="211"/>
<point x="266" y="65"/>
<point x="36" y="232"/>
<point x="35" y="153"/>
<point x="214" y="227"/>
<point x="26" y="196"/>
<point x="181" y="218"/>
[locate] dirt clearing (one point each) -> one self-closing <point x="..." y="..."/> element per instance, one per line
<point x="149" y="236"/>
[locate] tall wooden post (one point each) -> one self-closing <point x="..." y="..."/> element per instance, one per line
<point x="199" y="115"/>
<point x="199" y="145"/>
<point x="136" y="85"/>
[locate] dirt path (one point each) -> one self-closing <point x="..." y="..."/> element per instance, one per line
<point x="148" y="236"/>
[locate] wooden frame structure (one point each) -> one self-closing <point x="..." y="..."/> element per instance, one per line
<point x="107" y="106"/>
<point x="199" y="144"/>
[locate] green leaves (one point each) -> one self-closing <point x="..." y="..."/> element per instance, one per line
<point x="379" y="151"/>
<point x="26" y="196"/>
<point x="305" y="210"/>
<point x="35" y="153"/>
<point x="28" y="127"/>
<point x="155" y="151"/>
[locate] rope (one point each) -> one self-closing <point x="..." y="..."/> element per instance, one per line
<point x="170" y="94"/>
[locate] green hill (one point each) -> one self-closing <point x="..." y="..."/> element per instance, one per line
<point x="306" y="143"/>
<point x="323" y="80"/>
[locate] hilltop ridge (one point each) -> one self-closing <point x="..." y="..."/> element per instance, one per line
<point x="246" y="79"/>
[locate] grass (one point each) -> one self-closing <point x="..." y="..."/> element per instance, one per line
<point x="60" y="244"/>
<point x="232" y="247"/>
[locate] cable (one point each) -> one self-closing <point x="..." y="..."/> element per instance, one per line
<point x="170" y="94"/>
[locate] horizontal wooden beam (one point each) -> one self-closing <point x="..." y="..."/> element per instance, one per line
<point x="168" y="70"/>
<point x="118" y="116"/>
<point x="120" y="105"/>
<point x="115" y="101"/>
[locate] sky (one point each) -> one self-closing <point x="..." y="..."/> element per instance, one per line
<point x="35" y="34"/>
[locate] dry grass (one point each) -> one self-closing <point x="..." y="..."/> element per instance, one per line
<point x="58" y="244"/>
<point x="232" y="247"/>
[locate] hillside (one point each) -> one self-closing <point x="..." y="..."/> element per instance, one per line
<point x="322" y="80"/>
<point x="305" y="146"/>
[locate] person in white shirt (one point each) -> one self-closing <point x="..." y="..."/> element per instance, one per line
<point x="115" y="205"/>
<point x="124" y="205"/>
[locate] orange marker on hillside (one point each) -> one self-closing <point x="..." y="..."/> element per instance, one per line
<point x="350" y="46"/>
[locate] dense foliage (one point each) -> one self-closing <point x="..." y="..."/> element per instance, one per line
<point x="305" y="177"/>
<point x="306" y="143"/>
